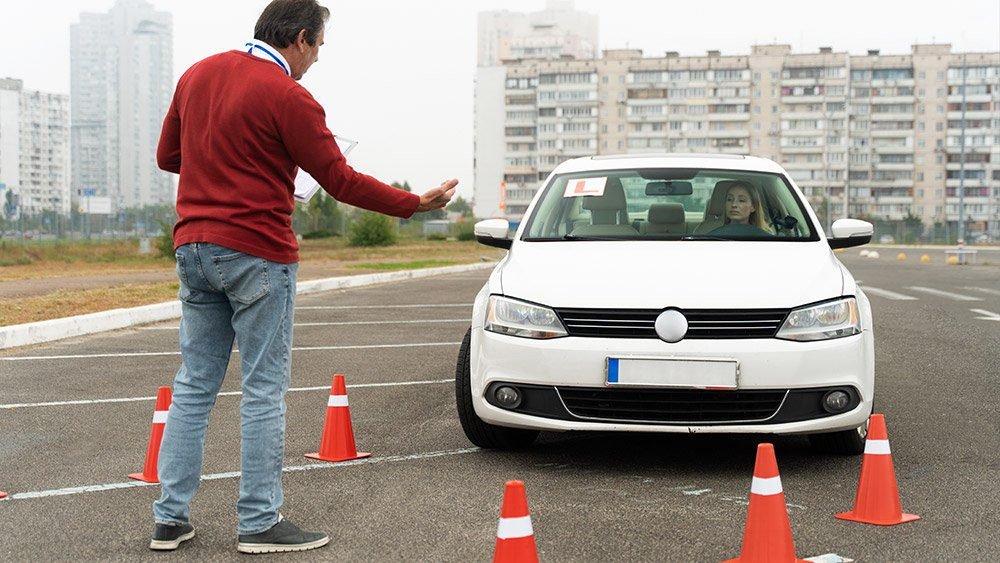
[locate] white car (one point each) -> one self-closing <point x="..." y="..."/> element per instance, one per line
<point x="669" y="293"/>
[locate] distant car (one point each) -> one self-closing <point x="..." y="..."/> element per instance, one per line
<point x="886" y="239"/>
<point x="634" y="298"/>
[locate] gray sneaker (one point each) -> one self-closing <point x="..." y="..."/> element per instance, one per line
<point x="166" y="537"/>
<point x="283" y="536"/>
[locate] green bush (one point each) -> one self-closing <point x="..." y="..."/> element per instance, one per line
<point x="465" y="231"/>
<point x="437" y="236"/>
<point x="318" y="234"/>
<point x="165" y="244"/>
<point x="373" y="229"/>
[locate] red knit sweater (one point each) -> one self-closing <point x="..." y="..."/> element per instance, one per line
<point x="237" y="128"/>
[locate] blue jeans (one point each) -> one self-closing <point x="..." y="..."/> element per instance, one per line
<point x="227" y="295"/>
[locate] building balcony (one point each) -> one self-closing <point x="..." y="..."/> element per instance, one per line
<point x="728" y="117"/>
<point x="731" y="133"/>
<point x="879" y="100"/>
<point x="801" y="150"/>
<point x="818" y="115"/>
<point x="883" y="82"/>
<point x="970" y="99"/>
<point x="891" y="116"/>
<point x="894" y="166"/>
<point x="519" y="139"/>
<point x="877" y="184"/>
<point x="520" y="170"/>
<point x="970" y="115"/>
<point x="646" y="118"/>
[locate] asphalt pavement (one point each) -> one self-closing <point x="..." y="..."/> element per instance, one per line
<point x="75" y="416"/>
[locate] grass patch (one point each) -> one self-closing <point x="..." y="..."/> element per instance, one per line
<point x="393" y="266"/>
<point x="68" y="303"/>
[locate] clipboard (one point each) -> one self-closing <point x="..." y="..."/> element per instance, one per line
<point x="305" y="185"/>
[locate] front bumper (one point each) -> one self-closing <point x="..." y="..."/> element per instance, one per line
<point x="781" y="385"/>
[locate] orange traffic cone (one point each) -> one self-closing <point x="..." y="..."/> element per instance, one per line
<point x="337" y="443"/>
<point x="155" y="436"/>
<point x="767" y="537"/>
<point x="515" y="538"/>
<point x="877" y="501"/>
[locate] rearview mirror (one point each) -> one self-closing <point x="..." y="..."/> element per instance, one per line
<point x="493" y="232"/>
<point x="850" y="232"/>
<point x="669" y="188"/>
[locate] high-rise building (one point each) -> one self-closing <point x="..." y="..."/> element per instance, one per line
<point x="34" y="151"/>
<point x="878" y="136"/>
<point x="557" y="32"/>
<point x="121" y="85"/>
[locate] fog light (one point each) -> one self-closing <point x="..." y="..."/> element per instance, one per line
<point x="836" y="401"/>
<point x="507" y="397"/>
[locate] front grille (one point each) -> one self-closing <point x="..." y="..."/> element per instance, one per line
<point x="702" y="323"/>
<point x="671" y="405"/>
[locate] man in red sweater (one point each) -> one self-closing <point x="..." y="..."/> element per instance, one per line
<point x="237" y="130"/>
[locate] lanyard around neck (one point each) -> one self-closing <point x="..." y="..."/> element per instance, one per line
<point x="268" y="52"/>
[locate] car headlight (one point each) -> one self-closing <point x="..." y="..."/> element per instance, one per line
<point x="517" y="318"/>
<point x="835" y="319"/>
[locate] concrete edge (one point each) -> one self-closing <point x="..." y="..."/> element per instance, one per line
<point x="57" y="329"/>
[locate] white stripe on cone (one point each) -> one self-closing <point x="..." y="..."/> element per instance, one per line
<point x="337" y="401"/>
<point x="771" y="486"/>
<point x="513" y="528"/>
<point x="877" y="447"/>
<point x="160" y="417"/>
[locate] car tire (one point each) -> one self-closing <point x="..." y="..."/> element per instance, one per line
<point x="845" y="442"/>
<point x="480" y="433"/>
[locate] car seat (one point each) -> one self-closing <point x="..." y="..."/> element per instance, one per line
<point x="664" y="218"/>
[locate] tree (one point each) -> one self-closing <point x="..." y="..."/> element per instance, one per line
<point x="460" y="206"/>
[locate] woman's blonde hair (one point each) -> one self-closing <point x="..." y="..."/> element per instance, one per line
<point x="757" y="217"/>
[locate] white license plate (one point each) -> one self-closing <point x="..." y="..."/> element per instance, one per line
<point x="692" y="373"/>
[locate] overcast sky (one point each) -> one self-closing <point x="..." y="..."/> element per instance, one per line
<point x="398" y="75"/>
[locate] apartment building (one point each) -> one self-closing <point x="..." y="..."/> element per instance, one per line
<point x="34" y="151"/>
<point x="871" y="135"/>
<point x="559" y="32"/>
<point x="121" y="82"/>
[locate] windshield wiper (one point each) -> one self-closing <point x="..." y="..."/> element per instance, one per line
<point x="703" y="237"/>
<point x="571" y="236"/>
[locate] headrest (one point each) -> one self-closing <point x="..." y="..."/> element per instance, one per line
<point x="612" y="200"/>
<point x="666" y="213"/>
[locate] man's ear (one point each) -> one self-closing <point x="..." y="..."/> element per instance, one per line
<point x="300" y="40"/>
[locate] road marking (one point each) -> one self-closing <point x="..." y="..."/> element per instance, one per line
<point x="223" y="394"/>
<point x="887" y="294"/>
<point x="948" y="294"/>
<point x="424" y="306"/>
<point x="829" y="558"/>
<point x="987" y="315"/>
<point x="983" y="289"/>
<point x="236" y="474"/>
<point x="344" y="323"/>
<point x="697" y="493"/>
<point x="301" y="349"/>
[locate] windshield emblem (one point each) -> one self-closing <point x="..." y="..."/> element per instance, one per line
<point x="671" y="326"/>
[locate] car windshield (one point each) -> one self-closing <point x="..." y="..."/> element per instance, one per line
<point x="669" y="204"/>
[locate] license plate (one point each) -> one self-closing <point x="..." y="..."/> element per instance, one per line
<point x="691" y="373"/>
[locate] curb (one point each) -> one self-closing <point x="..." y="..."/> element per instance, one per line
<point x="58" y="329"/>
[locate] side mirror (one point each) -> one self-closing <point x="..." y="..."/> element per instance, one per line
<point x="493" y="232"/>
<point x="850" y="232"/>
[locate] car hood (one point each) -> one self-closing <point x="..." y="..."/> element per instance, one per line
<point x="684" y="274"/>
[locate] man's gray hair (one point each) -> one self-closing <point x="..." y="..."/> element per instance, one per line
<point x="282" y="20"/>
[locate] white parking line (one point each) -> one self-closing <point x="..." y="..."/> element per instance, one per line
<point x="948" y="294"/>
<point x="987" y="315"/>
<point x="423" y="306"/>
<point x="235" y="474"/>
<point x="887" y="294"/>
<point x="345" y="323"/>
<point x="223" y="394"/>
<point x="983" y="289"/>
<point x="143" y="354"/>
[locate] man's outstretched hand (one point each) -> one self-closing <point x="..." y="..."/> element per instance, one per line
<point x="438" y="197"/>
